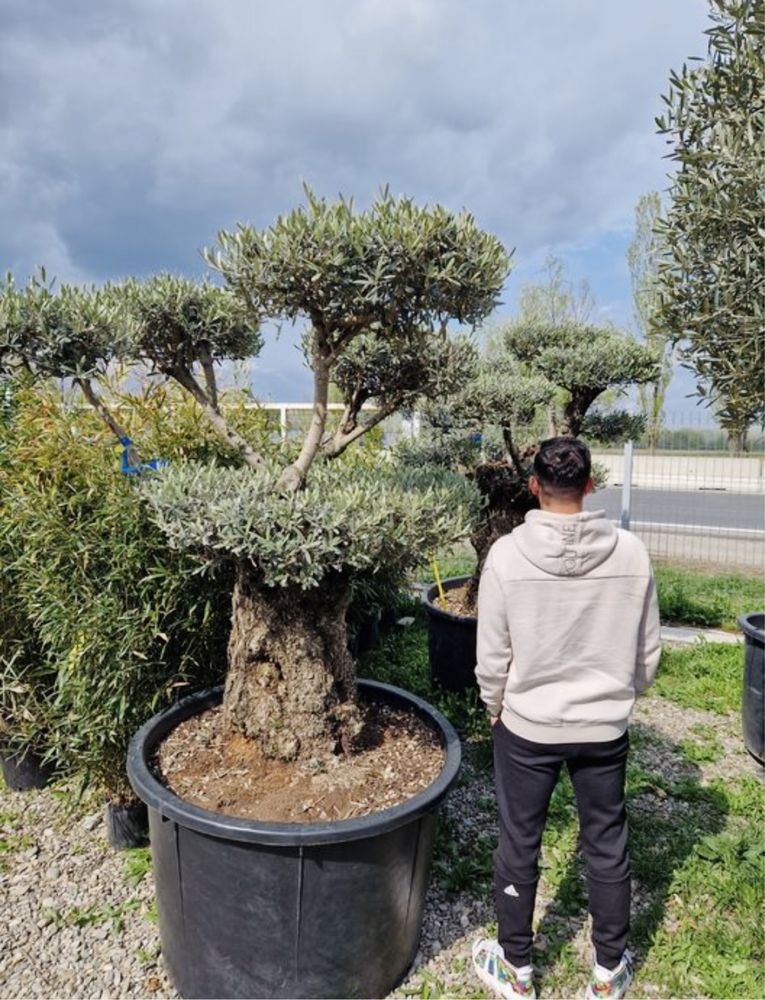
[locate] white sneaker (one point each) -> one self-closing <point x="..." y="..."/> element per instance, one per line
<point x="611" y="984"/>
<point x="493" y="969"/>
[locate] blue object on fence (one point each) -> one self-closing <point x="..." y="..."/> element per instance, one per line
<point x="132" y="470"/>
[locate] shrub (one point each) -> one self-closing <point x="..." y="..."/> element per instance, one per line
<point x="107" y="623"/>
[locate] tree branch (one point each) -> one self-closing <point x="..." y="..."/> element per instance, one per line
<point x="512" y="451"/>
<point x="340" y="442"/>
<point x="184" y="377"/>
<point x="294" y="475"/>
<point x="208" y="368"/>
<point x="86" y="387"/>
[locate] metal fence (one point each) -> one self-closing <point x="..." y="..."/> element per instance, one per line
<point x="698" y="505"/>
<point x="696" y="430"/>
<point x="292" y="419"/>
<point x="696" y="508"/>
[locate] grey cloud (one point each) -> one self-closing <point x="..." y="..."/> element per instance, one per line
<point x="130" y="132"/>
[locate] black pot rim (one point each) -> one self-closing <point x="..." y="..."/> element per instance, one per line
<point x="750" y="630"/>
<point x="430" y="592"/>
<point x="170" y="806"/>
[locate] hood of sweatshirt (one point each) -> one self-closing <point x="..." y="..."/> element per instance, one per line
<point x="566" y="544"/>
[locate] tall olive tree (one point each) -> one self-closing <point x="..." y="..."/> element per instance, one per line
<point x="377" y="290"/>
<point x="712" y="282"/>
<point x="643" y="258"/>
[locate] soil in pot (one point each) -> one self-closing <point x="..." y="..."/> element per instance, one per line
<point x="456" y="601"/>
<point x="209" y="764"/>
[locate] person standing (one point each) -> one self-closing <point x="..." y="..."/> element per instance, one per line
<point x="568" y="636"/>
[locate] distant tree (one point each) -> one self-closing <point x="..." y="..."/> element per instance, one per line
<point x="643" y="257"/>
<point x="556" y="299"/>
<point x="712" y="280"/>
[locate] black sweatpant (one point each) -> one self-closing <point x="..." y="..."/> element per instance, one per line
<point x="526" y="774"/>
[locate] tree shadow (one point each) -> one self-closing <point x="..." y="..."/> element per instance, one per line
<point x="669" y="813"/>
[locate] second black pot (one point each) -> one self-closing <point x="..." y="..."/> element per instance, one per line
<point x="127" y="826"/>
<point x="24" y="771"/>
<point x="451" y="641"/>
<point x="253" y="909"/>
<point x="753" y="697"/>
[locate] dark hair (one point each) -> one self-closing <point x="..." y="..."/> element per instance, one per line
<point x="563" y="465"/>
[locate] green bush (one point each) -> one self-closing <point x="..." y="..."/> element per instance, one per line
<point x="103" y="624"/>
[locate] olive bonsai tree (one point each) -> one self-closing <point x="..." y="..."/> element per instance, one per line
<point x="376" y="291"/>
<point x="536" y="379"/>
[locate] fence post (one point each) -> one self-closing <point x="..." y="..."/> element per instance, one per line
<point x="624" y="520"/>
<point x="283" y="422"/>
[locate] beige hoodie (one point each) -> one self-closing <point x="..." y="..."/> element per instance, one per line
<point x="568" y="628"/>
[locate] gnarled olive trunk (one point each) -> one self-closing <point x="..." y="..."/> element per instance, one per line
<point x="507" y="499"/>
<point x="291" y="684"/>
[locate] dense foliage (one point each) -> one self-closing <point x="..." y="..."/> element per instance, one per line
<point x="377" y="290"/>
<point x="713" y="277"/>
<point x="102" y="623"/>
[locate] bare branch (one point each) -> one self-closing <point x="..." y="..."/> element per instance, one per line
<point x="235" y="440"/>
<point x="294" y="475"/>
<point x="512" y="451"/>
<point x="208" y="368"/>
<point x="86" y="387"/>
<point x="340" y="441"/>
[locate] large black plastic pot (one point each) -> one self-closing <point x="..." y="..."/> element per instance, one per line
<point x="753" y="698"/>
<point x="251" y="909"/>
<point x="24" y="771"/>
<point x="451" y="641"/>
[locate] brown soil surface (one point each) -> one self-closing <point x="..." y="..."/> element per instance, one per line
<point x="210" y="765"/>
<point x="456" y="602"/>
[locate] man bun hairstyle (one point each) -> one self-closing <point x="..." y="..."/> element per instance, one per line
<point x="563" y="466"/>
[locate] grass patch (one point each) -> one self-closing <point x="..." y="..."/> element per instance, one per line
<point x="703" y="746"/>
<point x="698" y="857"/>
<point x="457" y="561"/>
<point x="705" y="676"/>
<point x="696" y="848"/>
<point x="91" y="916"/>
<point x="706" y="601"/>
<point x="461" y="867"/>
<point x="136" y="864"/>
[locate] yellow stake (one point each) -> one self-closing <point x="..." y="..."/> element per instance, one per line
<point x="441" y="595"/>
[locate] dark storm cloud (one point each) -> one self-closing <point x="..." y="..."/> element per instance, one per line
<point x="131" y="131"/>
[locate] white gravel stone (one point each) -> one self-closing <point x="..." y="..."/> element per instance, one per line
<point x="72" y="872"/>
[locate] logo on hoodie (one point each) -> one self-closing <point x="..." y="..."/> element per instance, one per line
<point x="569" y="556"/>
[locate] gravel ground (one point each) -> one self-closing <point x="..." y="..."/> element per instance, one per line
<point x="74" y="926"/>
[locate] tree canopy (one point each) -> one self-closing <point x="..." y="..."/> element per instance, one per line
<point x="713" y="277"/>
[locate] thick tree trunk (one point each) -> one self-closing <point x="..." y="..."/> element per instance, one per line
<point x="507" y="499"/>
<point x="291" y="684"/>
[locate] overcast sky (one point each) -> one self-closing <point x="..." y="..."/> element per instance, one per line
<point x="131" y="131"/>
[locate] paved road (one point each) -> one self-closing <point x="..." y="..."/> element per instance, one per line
<point x="697" y="507"/>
